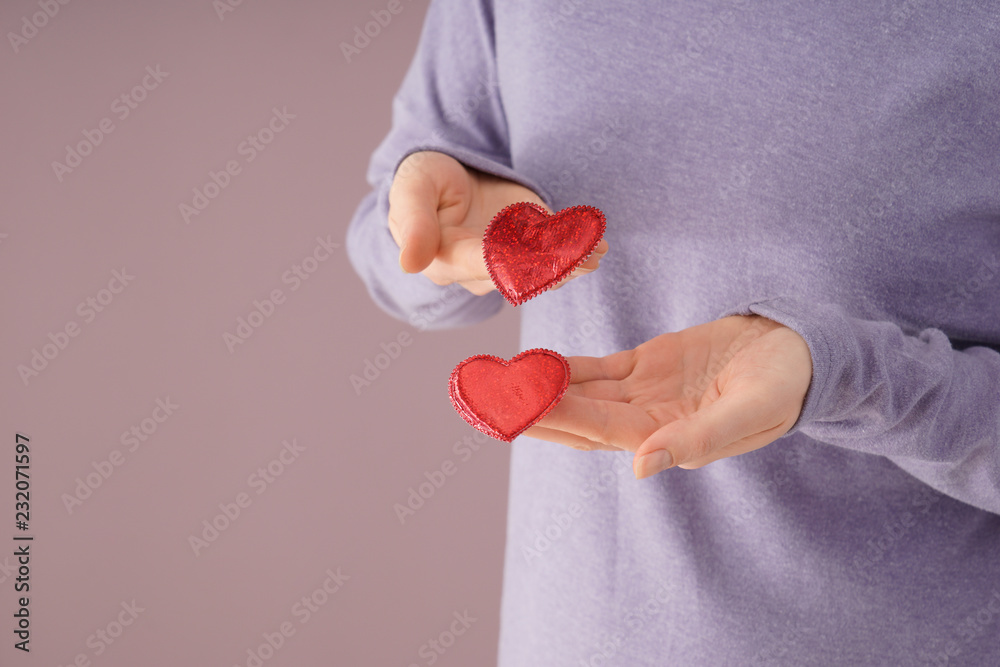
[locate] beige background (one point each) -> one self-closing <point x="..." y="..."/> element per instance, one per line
<point x="328" y="501"/>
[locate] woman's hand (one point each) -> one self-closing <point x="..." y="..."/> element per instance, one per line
<point x="687" y="398"/>
<point x="438" y="212"/>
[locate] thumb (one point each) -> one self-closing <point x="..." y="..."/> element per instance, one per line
<point x="737" y="417"/>
<point x="413" y="218"/>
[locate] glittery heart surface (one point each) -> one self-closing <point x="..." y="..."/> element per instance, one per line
<point x="502" y="398"/>
<point x="527" y="251"/>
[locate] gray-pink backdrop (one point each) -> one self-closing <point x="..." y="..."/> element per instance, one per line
<point x="180" y="327"/>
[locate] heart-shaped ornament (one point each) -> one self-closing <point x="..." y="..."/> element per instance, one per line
<point x="527" y="251"/>
<point x="504" y="398"/>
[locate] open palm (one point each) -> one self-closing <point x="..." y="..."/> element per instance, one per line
<point x="688" y="398"/>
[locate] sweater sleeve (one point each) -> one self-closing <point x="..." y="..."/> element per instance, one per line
<point x="449" y="102"/>
<point x="931" y="409"/>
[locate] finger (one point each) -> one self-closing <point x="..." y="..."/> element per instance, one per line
<point x="743" y="446"/>
<point x="622" y="425"/>
<point x="595" y="257"/>
<point x="578" y="272"/>
<point x="413" y="218"/>
<point x="464" y="257"/>
<point x="731" y="418"/>
<point x="478" y="287"/>
<point x="604" y="390"/>
<point x="591" y="264"/>
<point x="568" y="439"/>
<point x="601" y="248"/>
<point x="617" y="366"/>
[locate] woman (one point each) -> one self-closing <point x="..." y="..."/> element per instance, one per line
<point x="798" y="287"/>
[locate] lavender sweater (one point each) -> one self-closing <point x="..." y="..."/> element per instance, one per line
<point x="833" y="166"/>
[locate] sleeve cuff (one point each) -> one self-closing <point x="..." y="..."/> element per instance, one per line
<point x="478" y="161"/>
<point x="827" y="332"/>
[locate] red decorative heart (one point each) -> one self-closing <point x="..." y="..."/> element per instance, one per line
<point x="502" y="399"/>
<point x="527" y="251"/>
